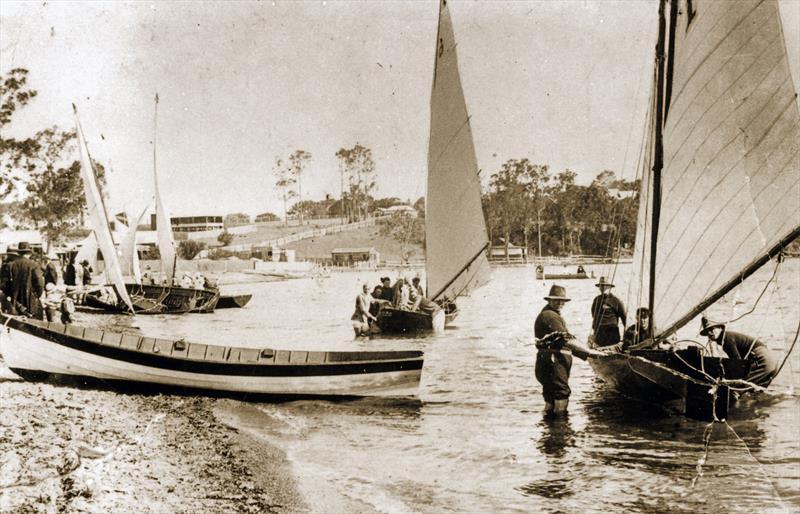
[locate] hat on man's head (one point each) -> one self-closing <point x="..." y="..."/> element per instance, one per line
<point x="557" y="293"/>
<point x="706" y="326"/>
<point x="23" y="247"/>
<point x="603" y="282"/>
<point x="84" y="262"/>
<point x="384" y="279"/>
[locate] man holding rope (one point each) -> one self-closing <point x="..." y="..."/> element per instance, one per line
<point x="763" y="364"/>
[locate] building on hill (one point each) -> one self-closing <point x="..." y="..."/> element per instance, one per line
<point x="191" y="223"/>
<point x="236" y="220"/>
<point x="351" y="256"/>
<point x="515" y="254"/>
<point x="265" y="217"/>
<point x="397" y="209"/>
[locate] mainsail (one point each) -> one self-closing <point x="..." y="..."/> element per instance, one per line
<point x="730" y="182"/>
<point x="99" y="218"/>
<point x="129" y="257"/>
<point x="455" y="231"/>
<point x="166" y="243"/>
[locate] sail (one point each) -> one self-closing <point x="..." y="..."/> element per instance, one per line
<point x="88" y="250"/>
<point x="166" y="243"/>
<point x="455" y="230"/>
<point x="129" y="257"/>
<point x="99" y="219"/>
<point x="731" y="174"/>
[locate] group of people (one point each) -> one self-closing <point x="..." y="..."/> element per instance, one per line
<point x="554" y="361"/>
<point x="403" y="295"/>
<point x="29" y="284"/>
<point x="187" y="280"/>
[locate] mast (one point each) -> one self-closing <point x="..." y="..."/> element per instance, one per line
<point x="658" y="160"/>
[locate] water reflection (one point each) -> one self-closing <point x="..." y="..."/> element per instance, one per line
<point x="556" y="437"/>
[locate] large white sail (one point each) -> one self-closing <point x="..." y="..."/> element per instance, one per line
<point x="731" y="175"/>
<point x="88" y="250"/>
<point x="166" y="243"/>
<point x="99" y="219"/>
<point x="455" y="230"/>
<point x="129" y="257"/>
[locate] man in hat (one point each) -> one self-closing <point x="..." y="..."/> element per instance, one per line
<point x="50" y="269"/>
<point x="5" y="278"/>
<point x="607" y="312"/>
<point x="640" y="333"/>
<point x="27" y="284"/>
<point x="86" y="272"/>
<point x="763" y="364"/>
<point x="553" y="363"/>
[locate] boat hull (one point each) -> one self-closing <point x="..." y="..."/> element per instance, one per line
<point x="561" y="276"/>
<point x="41" y="350"/>
<point x="233" y="301"/>
<point x="672" y="379"/>
<point x="153" y="299"/>
<point x="399" y="321"/>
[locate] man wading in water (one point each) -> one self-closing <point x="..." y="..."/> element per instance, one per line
<point x="553" y="361"/>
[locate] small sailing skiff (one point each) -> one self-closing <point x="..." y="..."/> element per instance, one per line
<point x="456" y="239"/>
<point x="720" y="189"/>
<point x="541" y="274"/>
<point x="38" y="350"/>
<point x="233" y="301"/>
<point x="154" y="299"/>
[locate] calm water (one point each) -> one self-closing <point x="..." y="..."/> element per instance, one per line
<point x="477" y="442"/>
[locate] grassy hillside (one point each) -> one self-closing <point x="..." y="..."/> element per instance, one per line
<point x="321" y="247"/>
<point x="275" y="230"/>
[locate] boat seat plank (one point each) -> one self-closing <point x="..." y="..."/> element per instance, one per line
<point x="215" y="353"/>
<point x="130" y="342"/>
<point x="112" y="338"/>
<point x="248" y="355"/>
<point x="282" y="356"/>
<point x="147" y="344"/>
<point x="94" y="335"/>
<point x="75" y="331"/>
<point x="162" y="346"/>
<point x="57" y="327"/>
<point x="233" y="354"/>
<point x="196" y="351"/>
<point x="316" y="357"/>
<point x="298" y="357"/>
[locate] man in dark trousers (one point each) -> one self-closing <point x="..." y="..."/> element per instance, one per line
<point x="5" y="278"/>
<point x="553" y="362"/>
<point x="763" y="364"/>
<point x="607" y="312"/>
<point x="27" y="284"/>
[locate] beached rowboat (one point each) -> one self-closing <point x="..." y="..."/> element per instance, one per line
<point x="38" y="350"/>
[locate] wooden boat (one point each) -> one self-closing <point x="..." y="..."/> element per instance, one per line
<point x="233" y="301"/>
<point x="719" y="190"/>
<point x="542" y="274"/>
<point x="154" y="299"/>
<point x="38" y="350"/>
<point x="456" y="240"/>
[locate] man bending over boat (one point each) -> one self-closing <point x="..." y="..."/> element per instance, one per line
<point x="763" y="364"/>
<point x="361" y="317"/>
<point x="553" y="361"/>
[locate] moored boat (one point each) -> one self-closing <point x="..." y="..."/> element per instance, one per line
<point x="38" y="350"/>
<point x="719" y="191"/>
<point x="542" y="274"/>
<point x="237" y="301"/>
<point x="456" y="239"/>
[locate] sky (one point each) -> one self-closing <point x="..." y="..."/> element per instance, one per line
<point x="563" y="83"/>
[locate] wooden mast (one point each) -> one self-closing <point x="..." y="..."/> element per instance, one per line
<point x="658" y="160"/>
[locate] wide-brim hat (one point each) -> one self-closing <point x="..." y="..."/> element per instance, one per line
<point x="557" y="293"/>
<point x="84" y="262"/>
<point x="603" y="282"/>
<point x="23" y="247"/>
<point x="707" y="326"/>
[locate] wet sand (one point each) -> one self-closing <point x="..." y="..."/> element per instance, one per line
<point x="67" y="449"/>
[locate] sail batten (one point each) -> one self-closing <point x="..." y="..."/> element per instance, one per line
<point x="455" y="230"/>
<point x="731" y="146"/>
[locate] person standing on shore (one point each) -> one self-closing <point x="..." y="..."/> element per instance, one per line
<point x="50" y="270"/>
<point x="553" y="361"/>
<point x="69" y="273"/>
<point x="607" y="312"/>
<point x="87" y="272"/>
<point x="27" y="284"/>
<point x="5" y="278"/>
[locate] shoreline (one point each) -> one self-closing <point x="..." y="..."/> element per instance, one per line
<point x="72" y="449"/>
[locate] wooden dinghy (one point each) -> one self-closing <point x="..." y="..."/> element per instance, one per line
<point x="233" y="301"/>
<point x="38" y="350"/>
<point x="683" y="381"/>
<point x="153" y="299"/>
<point x="541" y="274"/>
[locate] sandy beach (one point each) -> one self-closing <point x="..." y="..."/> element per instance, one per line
<point x="67" y="449"/>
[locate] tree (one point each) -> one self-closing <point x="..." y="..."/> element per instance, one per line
<point x="284" y="182"/>
<point x="406" y="230"/>
<point x="225" y="238"/>
<point x="13" y="95"/>
<point x="297" y="164"/>
<point x="357" y="164"/>
<point x="189" y="249"/>
<point x="266" y="216"/>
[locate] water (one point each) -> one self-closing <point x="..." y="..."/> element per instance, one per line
<point x="477" y="441"/>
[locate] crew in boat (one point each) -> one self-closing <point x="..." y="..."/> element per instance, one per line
<point x="581" y="271"/>
<point x="388" y="292"/>
<point x="415" y="283"/>
<point x="607" y="312"/>
<point x="553" y="361"/>
<point x="640" y="334"/>
<point x="361" y="317"/>
<point x="763" y="363"/>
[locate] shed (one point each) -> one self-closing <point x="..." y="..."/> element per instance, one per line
<point x="350" y="256"/>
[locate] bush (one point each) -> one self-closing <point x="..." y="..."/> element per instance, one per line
<point x="225" y="238"/>
<point x="189" y="249"/>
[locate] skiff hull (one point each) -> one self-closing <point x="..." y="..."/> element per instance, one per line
<point x="399" y="321"/>
<point x="234" y="301"/>
<point x="41" y="350"/>
<point x="561" y="276"/>
<point x="152" y="299"/>
<point x="672" y="379"/>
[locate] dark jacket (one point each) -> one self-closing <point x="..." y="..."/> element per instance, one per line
<point x="606" y="310"/>
<point x="739" y="346"/>
<point x="69" y="275"/>
<point x="27" y="285"/>
<point x="50" y="273"/>
<point x="548" y="321"/>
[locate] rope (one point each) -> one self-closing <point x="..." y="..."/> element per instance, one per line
<point x="791" y="348"/>
<point x="760" y="466"/>
<point x="771" y="279"/>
